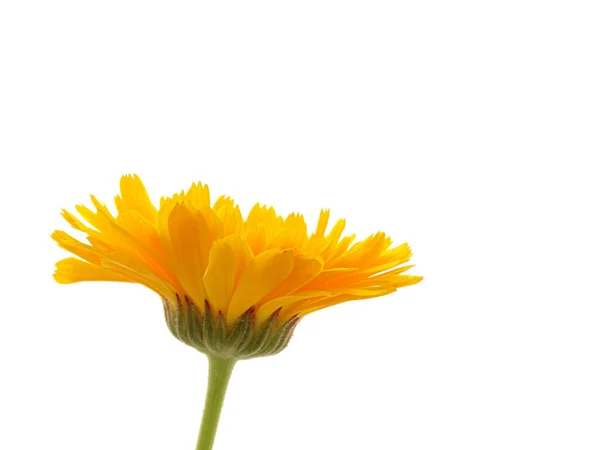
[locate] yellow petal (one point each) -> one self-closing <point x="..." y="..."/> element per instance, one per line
<point x="230" y="216"/>
<point x="322" y="225"/>
<point x="314" y="305"/>
<point x="305" y="269"/>
<point x="72" y="270"/>
<point x="137" y="225"/>
<point x="213" y="222"/>
<point x="337" y="230"/>
<point x="329" y="277"/>
<point x="263" y="274"/>
<point x="266" y="218"/>
<point x="198" y="195"/>
<point x="69" y="243"/>
<point x="310" y="306"/>
<point x="364" y="253"/>
<point x="220" y="276"/>
<point x="190" y="247"/>
<point x="393" y="278"/>
<point x="257" y="239"/>
<point x="336" y="249"/>
<point x="75" y="222"/>
<point x="128" y="243"/>
<point x="292" y="235"/>
<point x="287" y="302"/>
<point x="399" y="254"/>
<point x="137" y="272"/>
<point x="135" y="197"/>
<point x="242" y="255"/>
<point x="95" y="219"/>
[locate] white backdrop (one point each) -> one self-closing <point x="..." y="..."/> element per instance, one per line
<point x="469" y="129"/>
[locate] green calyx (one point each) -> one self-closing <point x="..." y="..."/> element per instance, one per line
<point x="208" y="332"/>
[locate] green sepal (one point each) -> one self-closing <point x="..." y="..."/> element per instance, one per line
<point x="241" y="336"/>
<point x="220" y="333"/>
<point x="281" y="337"/>
<point x="209" y="333"/>
<point x="261" y="338"/>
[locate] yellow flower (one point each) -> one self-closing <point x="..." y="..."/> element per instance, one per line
<point x="231" y="287"/>
<point x="206" y="256"/>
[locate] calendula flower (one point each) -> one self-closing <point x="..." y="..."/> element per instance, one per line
<point x="232" y="288"/>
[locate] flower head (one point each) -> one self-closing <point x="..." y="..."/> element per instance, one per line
<point x="231" y="287"/>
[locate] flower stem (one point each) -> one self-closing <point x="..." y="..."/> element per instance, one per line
<point x="219" y="373"/>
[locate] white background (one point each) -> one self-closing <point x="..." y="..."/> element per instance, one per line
<point x="468" y="128"/>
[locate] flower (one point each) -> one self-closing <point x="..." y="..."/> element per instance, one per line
<point x="231" y="287"/>
<point x="207" y="261"/>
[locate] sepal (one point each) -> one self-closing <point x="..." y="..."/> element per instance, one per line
<point x="209" y="333"/>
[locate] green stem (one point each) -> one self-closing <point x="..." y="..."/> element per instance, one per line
<point x="219" y="373"/>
